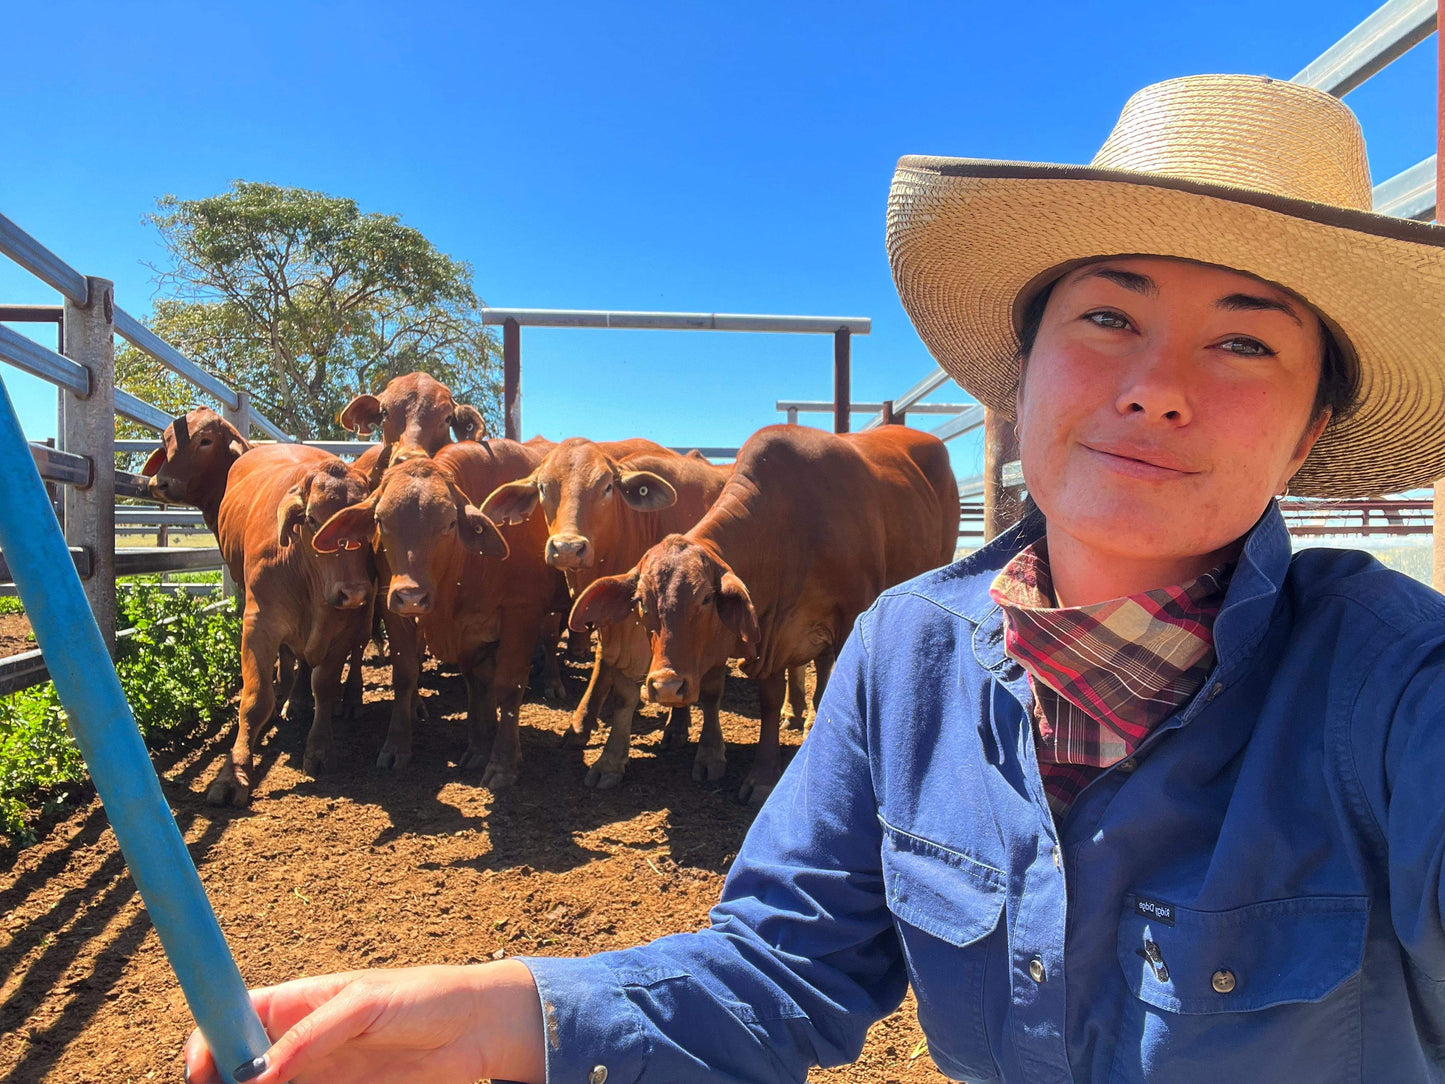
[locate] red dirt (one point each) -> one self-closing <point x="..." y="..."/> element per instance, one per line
<point x="15" y="635"/>
<point x="369" y="869"/>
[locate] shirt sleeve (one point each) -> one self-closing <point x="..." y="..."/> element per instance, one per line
<point x="1414" y="803"/>
<point x="801" y="955"/>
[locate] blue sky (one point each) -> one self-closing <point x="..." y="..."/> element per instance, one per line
<point x="723" y="158"/>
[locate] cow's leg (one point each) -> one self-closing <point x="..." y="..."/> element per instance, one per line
<point x="326" y="691"/>
<point x="232" y="785"/>
<point x="608" y="769"/>
<point x="712" y="757"/>
<point x="579" y="645"/>
<point x="480" y="673"/>
<point x="767" y="765"/>
<point x="795" y="708"/>
<point x="514" y="656"/>
<point x="551" y="635"/>
<point x="300" y="704"/>
<point x="405" y="672"/>
<point x="351" y="698"/>
<point x="285" y="678"/>
<point x="822" y="668"/>
<point x="585" y="717"/>
<point x="678" y="731"/>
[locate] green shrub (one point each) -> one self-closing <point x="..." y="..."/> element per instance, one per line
<point x="178" y="669"/>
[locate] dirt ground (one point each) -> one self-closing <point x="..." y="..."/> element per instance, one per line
<point x="370" y="869"/>
<point x="15" y="635"/>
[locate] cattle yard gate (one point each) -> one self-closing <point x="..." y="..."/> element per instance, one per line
<point x="79" y="465"/>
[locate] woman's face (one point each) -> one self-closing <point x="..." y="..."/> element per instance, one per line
<point x="1164" y="403"/>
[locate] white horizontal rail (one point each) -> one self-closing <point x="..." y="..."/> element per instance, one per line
<point x="1393" y="30"/>
<point x="142" y="337"/>
<point x="929" y="384"/>
<point x="820" y="407"/>
<point x="966" y="422"/>
<point x="138" y="410"/>
<point x="1409" y="193"/>
<point x="679" y="321"/>
<point x="41" y="262"/>
<point x="39" y="361"/>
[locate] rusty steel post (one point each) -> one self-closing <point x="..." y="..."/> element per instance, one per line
<point x="1000" y="446"/>
<point x="90" y="430"/>
<point x="512" y="379"/>
<point x="1437" y="564"/>
<point x="842" y="384"/>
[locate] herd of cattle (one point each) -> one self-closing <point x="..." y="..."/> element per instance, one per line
<point x="474" y="549"/>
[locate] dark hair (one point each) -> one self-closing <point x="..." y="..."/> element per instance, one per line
<point x="1338" y="390"/>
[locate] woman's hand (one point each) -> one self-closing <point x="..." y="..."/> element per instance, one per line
<point x="431" y="1025"/>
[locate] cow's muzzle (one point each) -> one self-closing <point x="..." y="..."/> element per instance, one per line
<point x="669" y="689"/>
<point x="410" y="601"/>
<point x="348" y="596"/>
<point x="568" y="551"/>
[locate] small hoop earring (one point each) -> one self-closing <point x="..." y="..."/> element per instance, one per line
<point x="1285" y="494"/>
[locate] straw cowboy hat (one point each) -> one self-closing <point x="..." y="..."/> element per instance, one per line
<point x="1245" y="172"/>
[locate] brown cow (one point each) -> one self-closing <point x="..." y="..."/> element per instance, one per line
<point x="603" y="511"/>
<point x="809" y="529"/>
<point x="317" y="606"/>
<point x="190" y="467"/>
<point x="470" y="608"/>
<point x="417" y="416"/>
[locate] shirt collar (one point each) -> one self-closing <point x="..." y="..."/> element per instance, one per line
<point x="1242" y="622"/>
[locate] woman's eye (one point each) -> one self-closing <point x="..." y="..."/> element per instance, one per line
<point x="1106" y="318"/>
<point x="1247" y="348"/>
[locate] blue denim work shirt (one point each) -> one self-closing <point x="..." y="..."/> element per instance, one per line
<point x="1255" y="895"/>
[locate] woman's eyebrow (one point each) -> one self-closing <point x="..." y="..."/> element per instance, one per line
<point x="1129" y="280"/>
<point x="1257" y="303"/>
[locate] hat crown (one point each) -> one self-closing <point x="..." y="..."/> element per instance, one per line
<point x="1248" y="132"/>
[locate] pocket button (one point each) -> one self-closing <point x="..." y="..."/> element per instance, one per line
<point x="1223" y="981"/>
<point x="1036" y="970"/>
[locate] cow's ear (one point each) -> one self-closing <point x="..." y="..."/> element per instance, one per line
<point x="348" y="529"/>
<point x="238" y="447"/>
<point x="513" y="502"/>
<point x="153" y="464"/>
<point x="468" y="423"/>
<point x="735" y="607"/>
<point x="361" y="415"/>
<point x="480" y="534"/>
<point x="606" y="601"/>
<point x="290" y="515"/>
<point x="646" y="492"/>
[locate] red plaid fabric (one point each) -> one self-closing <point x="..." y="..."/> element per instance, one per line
<point x="1103" y="675"/>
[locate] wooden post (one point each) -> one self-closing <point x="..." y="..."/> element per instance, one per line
<point x="241" y="419"/>
<point x="1000" y="446"/>
<point x="512" y="380"/>
<point x="842" y="384"/>
<point x="90" y="431"/>
<point x="1437" y="540"/>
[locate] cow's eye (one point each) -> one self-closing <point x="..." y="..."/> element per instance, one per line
<point x="452" y="526"/>
<point x="608" y="491"/>
<point x="706" y="600"/>
<point x="310" y="520"/>
<point x="205" y="442"/>
<point x="641" y="606"/>
<point x="541" y="489"/>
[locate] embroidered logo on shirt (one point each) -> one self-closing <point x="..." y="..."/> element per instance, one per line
<point x="1160" y="912"/>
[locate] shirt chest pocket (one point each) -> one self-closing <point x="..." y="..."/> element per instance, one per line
<point x="1230" y="991"/>
<point x="947" y="906"/>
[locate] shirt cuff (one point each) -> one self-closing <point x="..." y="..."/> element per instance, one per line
<point x="593" y="1030"/>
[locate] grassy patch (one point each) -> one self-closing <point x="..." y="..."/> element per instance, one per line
<point x="179" y="668"/>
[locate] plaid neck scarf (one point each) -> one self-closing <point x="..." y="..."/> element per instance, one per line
<point x="1103" y="675"/>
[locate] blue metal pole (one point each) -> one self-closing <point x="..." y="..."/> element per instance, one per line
<point x="119" y="765"/>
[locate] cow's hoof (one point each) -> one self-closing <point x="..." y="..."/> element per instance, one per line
<point x="418" y="712"/>
<point x="555" y="694"/>
<point x="674" y="739"/>
<point x="319" y="762"/>
<point x="574" y="739"/>
<point x="228" y="792"/>
<point x="756" y="787"/>
<point x="795" y="722"/>
<point x="708" y="771"/>
<point x="498" y="777"/>
<point x="472" y="758"/>
<point x="600" y="778"/>
<point x="392" y="759"/>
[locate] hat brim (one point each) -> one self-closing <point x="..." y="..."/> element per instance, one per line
<point x="966" y="238"/>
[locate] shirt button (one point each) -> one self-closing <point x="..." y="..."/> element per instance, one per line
<point x="1036" y="970"/>
<point x="1214" y="691"/>
<point x="598" y="1075"/>
<point x="1223" y="981"/>
<point x="1127" y="765"/>
<point x="1059" y="859"/>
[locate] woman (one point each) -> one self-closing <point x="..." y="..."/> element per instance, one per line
<point x="1131" y="791"/>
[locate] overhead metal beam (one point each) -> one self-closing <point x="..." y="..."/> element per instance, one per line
<point x="138" y="410"/>
<point x="809" y="406"/>
<point x="1393" y="30"/>
<point x="1409" y="193"/>
<point x="35" y="359"/>
<point x="966" y="422"/>
<point x="41" y="262"/>
<point x="142" y="337"/>
<point x="904" y="403"/>
<point x="679" y="321"/>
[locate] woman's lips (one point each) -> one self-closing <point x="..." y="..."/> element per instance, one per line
<point x="1137" y="463"/>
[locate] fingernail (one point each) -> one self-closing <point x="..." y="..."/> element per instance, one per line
<point x="250" y="1069"/>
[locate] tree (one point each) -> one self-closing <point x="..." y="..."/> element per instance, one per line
<point x="304" y="301"/>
